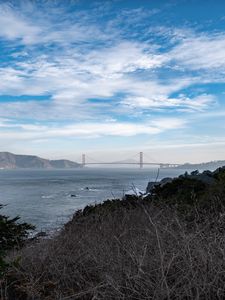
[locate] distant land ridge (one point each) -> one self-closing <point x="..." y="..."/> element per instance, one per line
<point x="211" y="165"/>
<point x="15" y="161"/>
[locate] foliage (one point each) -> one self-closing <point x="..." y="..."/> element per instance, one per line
<point x="12" y="235"/>
<point x="183" y="190"/>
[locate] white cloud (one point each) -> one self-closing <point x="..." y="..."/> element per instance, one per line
<point x="33" y="25"/>
<point x="200" y="52"/>
<point x="70" y="83"/>
<point x="82" y="130"/>
<point x="124" y="57"/>
<point x="193" y="50"/>
<point x="78" y="73"/>
<point x="13" y="26"/>
<point x="157" y="96"/>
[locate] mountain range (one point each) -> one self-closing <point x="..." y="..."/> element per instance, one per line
<point x="15" y="161"/>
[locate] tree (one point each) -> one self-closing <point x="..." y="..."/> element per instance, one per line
<point x="12" y="235"/>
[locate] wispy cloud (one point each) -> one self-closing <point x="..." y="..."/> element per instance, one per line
<point x="201" y="52"/>
<point x="20" y="131"/>
<point x="92" y="64"/>
<point x="14" y="27"/>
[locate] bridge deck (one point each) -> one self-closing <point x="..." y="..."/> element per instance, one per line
<point x="126" y="163"/>
<point x="140" y="163"/>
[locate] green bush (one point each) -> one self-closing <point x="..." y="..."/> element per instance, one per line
<point x="12" y="235"/>
<point x="182" y="190"/>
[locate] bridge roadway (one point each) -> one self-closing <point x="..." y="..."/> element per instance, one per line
<point x="162" y="165"/>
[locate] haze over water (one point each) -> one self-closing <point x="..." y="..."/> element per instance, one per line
<point x="43" y="197"/>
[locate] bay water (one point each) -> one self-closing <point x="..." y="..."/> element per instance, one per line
<point x="48" y="198"/>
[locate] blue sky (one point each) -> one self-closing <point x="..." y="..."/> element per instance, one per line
<point x="112" y="78"/>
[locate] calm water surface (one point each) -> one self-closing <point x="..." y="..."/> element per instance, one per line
<point x="43" y="197"/>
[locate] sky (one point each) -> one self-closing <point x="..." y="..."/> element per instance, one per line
<point x="113" y="78"/>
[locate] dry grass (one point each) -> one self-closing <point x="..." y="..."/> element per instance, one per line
<point x="143" y="251"/>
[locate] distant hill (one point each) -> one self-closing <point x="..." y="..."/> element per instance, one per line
<point x="212" y="165"/>
<point x="14" y="161"/>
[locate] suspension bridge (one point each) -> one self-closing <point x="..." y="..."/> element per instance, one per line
<point x="86" y="161"/>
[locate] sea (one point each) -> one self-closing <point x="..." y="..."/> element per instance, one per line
<point x="49" y="198"/>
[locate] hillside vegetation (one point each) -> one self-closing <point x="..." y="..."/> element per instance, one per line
<point x="169" y="245"/>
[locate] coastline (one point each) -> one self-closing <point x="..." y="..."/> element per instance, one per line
<point x="120" y="247"/>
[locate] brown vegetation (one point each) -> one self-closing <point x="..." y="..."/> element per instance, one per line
<point x="136" y="249"/>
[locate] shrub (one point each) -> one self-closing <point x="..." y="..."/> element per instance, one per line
<point x="12" y="235"/>
<point x="181" y="190"/>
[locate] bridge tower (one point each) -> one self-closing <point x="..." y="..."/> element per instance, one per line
<point x="83" y="160"/>
<point x="141" y="160"/>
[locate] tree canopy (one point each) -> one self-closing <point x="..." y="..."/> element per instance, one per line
<point x="12" y="235"/>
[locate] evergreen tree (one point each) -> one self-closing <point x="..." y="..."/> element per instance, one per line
<point x="12" y="235"/>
